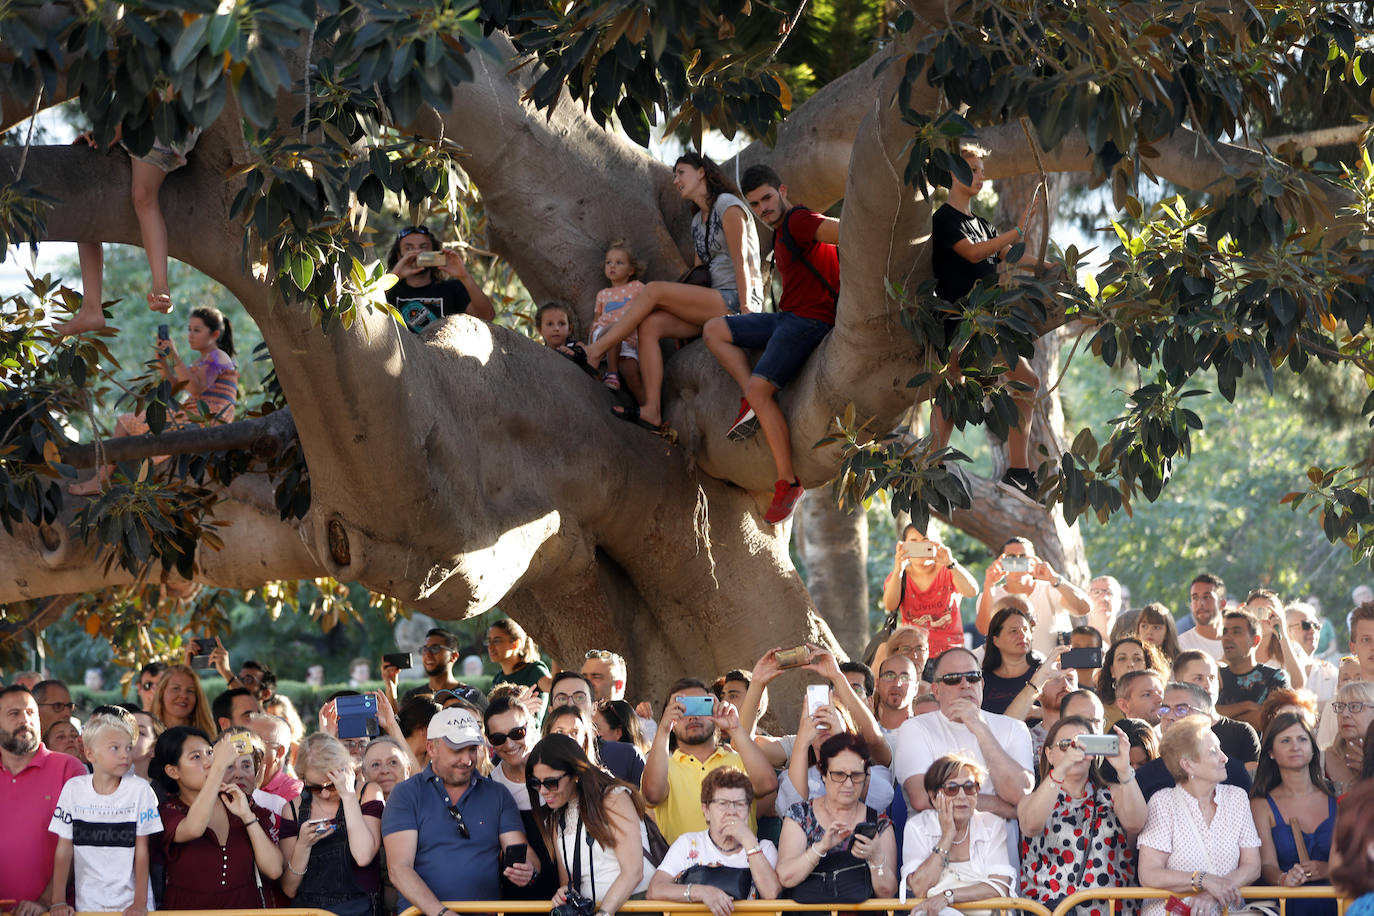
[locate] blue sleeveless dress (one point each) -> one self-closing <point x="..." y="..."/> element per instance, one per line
<point x="1318" y="844"/>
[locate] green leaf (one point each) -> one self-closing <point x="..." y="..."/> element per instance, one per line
<point x="302" y="271"/>
<point x="189" y="42"/>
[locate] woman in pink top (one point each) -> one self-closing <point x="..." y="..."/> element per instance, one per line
<point x="927" y="583"/>
<point x="211" y="384"/>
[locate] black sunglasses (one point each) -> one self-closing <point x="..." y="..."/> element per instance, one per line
<point x="551" y="783"/>
<point x="411" y="230"/>
<point x="467" y="694"/>
<point x="499" y="738"/>
<point x="317" y="789"/>
<point x="959" y="677"/>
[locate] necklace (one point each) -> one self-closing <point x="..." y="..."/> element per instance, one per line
<point x="960" y="839"/>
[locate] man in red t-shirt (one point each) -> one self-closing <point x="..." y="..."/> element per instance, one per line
<point x="31" y="780"/>
<point x="809" y="264"/>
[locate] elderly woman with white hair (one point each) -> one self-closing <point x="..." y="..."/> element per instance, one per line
<point x="1199" y="839"/>
<point x="1353" y="709"/>
<point x="331" y="847"/>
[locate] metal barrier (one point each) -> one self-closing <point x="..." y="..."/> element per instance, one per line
<point x="303" y="911"/>
<point x="1282" y="894"/>
<point x="877" y="904"/>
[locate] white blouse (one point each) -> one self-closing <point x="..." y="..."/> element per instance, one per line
<point x="598" y="863"/>
<point x="1175" y="826"/>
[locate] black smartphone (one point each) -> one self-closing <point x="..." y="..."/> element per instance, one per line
<point x="402" y="660"/>
<point x="513" y="854"/>
<point x="1086" y="657"/>
<point x="200" y="652"/>
<point x="866" y="830"/>
<point x="164" y="332"/>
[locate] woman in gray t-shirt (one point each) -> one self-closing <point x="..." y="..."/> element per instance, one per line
<point x="726" y="245"/>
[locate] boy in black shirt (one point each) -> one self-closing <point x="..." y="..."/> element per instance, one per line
<point x="966" y="250"/>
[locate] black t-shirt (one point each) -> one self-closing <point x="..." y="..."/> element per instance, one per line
<point x="420" y="305"/>
<point x="955" y="276"/>
<point x="998" y="692"/>
<point x="1238" y="740"/>
<point x="1253" y="686"/>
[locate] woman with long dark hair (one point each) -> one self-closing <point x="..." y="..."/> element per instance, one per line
<point x="1008" y="661"/>
<point x="726" y="247"/>
<point x="1075" y="826"/>
<point x="593" y="822"/>
<point x="1294" y="807"/>
<point x="216" y="844"/>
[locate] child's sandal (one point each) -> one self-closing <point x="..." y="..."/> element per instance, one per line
<point x="612" y="381"/>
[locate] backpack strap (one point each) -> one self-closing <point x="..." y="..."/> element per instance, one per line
<point x="784" y="232"/>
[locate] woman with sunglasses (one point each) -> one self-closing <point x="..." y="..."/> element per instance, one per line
<point x="331" y="846"/>
<point x="1294" y="807"/>
<point x="593" y="822"/>
<point x="1354" y="712"/>
<point x="834" y="848"/>
<point x="511" y="733"/>
<point x="424" y="294"/>
<point x="952" y="852"/>
<point x="1075" y="827"/>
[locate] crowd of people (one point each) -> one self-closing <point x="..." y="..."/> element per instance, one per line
<point x="1115" y="758"/>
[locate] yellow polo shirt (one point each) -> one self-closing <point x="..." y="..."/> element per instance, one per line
<point x="680" y="812"/>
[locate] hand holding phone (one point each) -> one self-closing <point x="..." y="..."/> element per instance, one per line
<point x="514" y="854"/>
<point x="697" y="706"/>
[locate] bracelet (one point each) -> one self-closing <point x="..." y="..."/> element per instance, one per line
<point x="812" y="848"/>
<point x="1198" y="877"/>
<point x="302" y="874"/>
<point x="443" y="910"/>
<point x="753" y="852"/>
<point x="687" y="893"/>
<point x="1057" y="782"/>
<point x="1127" y="779"/>
<point x="250" y="822"/>
<point x="1058" y="581"/>
<point x="1020" y="233"/>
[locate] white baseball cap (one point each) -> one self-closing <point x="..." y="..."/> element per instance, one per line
<point x="458" y="726"/>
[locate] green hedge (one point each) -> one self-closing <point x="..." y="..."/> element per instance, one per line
<point x="306" y="699"/>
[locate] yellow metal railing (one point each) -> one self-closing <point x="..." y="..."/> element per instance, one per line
<point x="1281" y="894"/>
<point x="877" y="904"/>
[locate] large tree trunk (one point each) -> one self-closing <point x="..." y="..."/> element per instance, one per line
<point x="833" y="544"/>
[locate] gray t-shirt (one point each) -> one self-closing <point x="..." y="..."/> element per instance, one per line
<point x="713" y="250"/>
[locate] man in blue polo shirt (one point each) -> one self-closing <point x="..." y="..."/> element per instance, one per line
<point x="444" y="828"/>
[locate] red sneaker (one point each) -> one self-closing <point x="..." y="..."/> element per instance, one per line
<point x="745" y="425"/>
<point x="785" y="496"/>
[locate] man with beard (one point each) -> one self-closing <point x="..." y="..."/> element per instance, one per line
<point x="437" y="657"/>
<point x="445" y="827"/>
<point x="30" y="785"/>
<point x="672" y="783"/>
<point x="1207" y="597"/>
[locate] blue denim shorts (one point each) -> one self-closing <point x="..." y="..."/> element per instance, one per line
<point x="731" y="297"/>
<point x="786" y="340"/>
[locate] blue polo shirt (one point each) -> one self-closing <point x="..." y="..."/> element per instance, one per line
<point x="452" y="867"/>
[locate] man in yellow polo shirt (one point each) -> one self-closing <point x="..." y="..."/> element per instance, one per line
<point x="672" y="780"/>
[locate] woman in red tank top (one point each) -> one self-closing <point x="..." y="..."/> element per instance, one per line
<point x="927" y="582"/>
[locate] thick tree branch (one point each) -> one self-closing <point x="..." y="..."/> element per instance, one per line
<point x="264" y="436"/>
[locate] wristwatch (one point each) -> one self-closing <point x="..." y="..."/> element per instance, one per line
<point x="949" y="896"/>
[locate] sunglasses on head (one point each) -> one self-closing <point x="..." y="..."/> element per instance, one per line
<point x="411" y="230"/>
<point x="499" y="738"/>
<point x="960" y="677"/>
<point x="467" y="694"/>
<point x="550" y="783"/>
<point x="968" y="787"/>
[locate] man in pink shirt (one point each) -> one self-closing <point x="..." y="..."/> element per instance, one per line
<point x="31" y="780"/>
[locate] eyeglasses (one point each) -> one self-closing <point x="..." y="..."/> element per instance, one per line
<point x="606" y="655"/>
<point x="148" y="685"/>
<point x="411" y="230"/>
<point x="499" y="738"/>
<point x="457" y="816"/>
<point x="961" y="677"/>
<point x="327" y="787"/>
<point x="60" y="707"/>
<point x="1178" y="709"/>
<point x="247" y="680"/>
<point x="729" y="804"/>
<point x="840" y="778"/>
<point x="571" y="699"/>
<point x="433" y="650"/>
<point x="891" y="676"/>
<point x="550" y="783"/>
<point x="968" y="787"/>
<point x="1353" y="708"/>
<point x="1307" y="625"/>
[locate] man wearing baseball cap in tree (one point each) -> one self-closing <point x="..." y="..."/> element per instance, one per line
<point x="445" y="827"/>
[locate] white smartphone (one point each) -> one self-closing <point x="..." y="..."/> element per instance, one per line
<point x="817" y="695"/>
